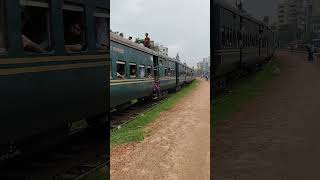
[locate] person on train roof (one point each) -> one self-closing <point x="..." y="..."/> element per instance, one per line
<point x="146" y="42"/>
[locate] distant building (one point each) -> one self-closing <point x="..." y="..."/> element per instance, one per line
<point x="203" y="67"/>
<point x="292" y="17"/>
<point x="163" y="50"/>
<point x="315" y="19"/>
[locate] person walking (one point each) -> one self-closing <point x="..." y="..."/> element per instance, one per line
<point x="310" y="49"/>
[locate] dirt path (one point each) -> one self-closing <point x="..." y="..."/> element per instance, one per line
<point x="179" y="147"/>
<point x="276" y="137"/>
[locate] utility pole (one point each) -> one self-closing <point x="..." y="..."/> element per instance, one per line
<point x="239" y="4"/>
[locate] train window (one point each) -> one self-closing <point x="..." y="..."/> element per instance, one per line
<point x="35" y="36"/>
<point x="121" y="69"/>
<point x="2" y="28"/>
<point x="102" y="26"/>
<point x="111" y="73"/>
<point x="133" y="70"/>
<point x="74" y="28"/>
<point x="234" y="39"/>
<point x="223" y="38"/>
<point x="142" y="71"/>
<point x="149" y="75"/>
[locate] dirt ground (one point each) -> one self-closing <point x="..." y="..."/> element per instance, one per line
<point x="178" y="148"/>
<point x="276" y="136"/>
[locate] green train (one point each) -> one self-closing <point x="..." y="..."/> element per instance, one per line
<point x="239" y="43"/>
<point x="53" y="64"/>
<point x="134" y="69"/>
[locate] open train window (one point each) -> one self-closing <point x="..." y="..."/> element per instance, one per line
<point x="121" y="69"/>
<point x="133" y="70"/>
<point x="111" y="73"/>
<point x="74" y="28"/>
<point x="149" y="74"/>
<point x="35" y="36"/>
<point x="3" y="45"/>
<point x="223" y="37"/>
<point x="102" y="33"/>
<point x="142" y="71"/>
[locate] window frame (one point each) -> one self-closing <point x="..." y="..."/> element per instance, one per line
<point x="101" y="13"/>
<point x="4" y="50"/>
<point x="133" y="64"/>
<point x="39" y="4"/>
<point x="124" y="63"/>
<point x="142" y="66"/>
<point x="147" y="74"/>
<point x="77" y="7"/>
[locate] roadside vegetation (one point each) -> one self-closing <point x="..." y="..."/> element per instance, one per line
<point x="243" y="91"/>
<point x="134" y="130"/>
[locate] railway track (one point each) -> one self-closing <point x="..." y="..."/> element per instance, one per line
<point x="122" y="117"/>
<point x="78" y="157"/>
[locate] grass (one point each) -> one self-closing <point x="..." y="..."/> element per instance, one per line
<point x="243" y="91"/>
<point x="134" y="130"/>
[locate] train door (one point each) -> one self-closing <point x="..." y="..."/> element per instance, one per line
<point x="241" y="38"/>
<point x="155" y="66"/>
<point x="260" y="39"/>
<point x="177" y="73"/>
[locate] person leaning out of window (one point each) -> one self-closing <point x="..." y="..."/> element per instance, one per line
<point x="73" y="39"/>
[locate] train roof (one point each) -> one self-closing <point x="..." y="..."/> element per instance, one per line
<point x="131" y="44"/>
<point x="126" y="42"/>
<point x="235" y="10"/>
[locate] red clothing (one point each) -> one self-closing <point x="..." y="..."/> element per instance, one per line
<point x="146" y="42"/>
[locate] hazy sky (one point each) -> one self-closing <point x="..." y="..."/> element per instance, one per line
<point x="181" y="25"/>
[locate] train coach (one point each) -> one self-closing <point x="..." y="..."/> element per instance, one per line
<point x="239" y="42"/>
<point x="49" y="80"/>
<point x="134" y="69"/>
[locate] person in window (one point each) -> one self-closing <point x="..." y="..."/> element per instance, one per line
<point x="73" y="38"/>
<point x="142" y="71"/>
<point x="146" y="42"/>
<point x="120" y="74"/>
<point x="102" y="35"/>
<point x="28" y="44"/>
<point x="133" y="72"/>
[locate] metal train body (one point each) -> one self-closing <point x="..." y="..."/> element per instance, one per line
<point x="172" y="74"/>
<point x="239" y="42"/>
<point x="45" y="92"/>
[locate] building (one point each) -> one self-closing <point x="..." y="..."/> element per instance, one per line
<point x="163" y="50"/>
<point x="315" y="19"/>
<point x="203" y="67"/>
<point x="292" y="17"/>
